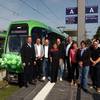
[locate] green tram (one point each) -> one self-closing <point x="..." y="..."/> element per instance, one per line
<point x="19" y="30"/>
<point x="16" y="36"/>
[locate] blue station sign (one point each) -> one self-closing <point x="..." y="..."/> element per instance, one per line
<point x="88" y="10"/>
<point x="71" y="11"/>
<point x="91" y="9"/>
<point x="88" y="19"/>
<point x="91" y="19"/>
<point x="71" y="20"/>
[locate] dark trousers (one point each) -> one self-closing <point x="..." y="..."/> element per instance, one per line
<point x="21" y="79"/>
<point x="54" y="71"/>
<point x="97" y="74"/>
<point x="92" y="75"/>
<point x="28" y="74"/>
<point x="74" y="67"/>
<point x="68" y="68"/>
<point x="39" y="65"/>
<point x="34" y="72"/>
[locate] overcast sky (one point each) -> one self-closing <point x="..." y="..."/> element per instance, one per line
<point x="51" y="12"/>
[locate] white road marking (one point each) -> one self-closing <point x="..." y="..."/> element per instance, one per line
<point x="44" y="92"/>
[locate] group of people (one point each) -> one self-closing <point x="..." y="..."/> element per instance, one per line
<point x="46" y="61"/>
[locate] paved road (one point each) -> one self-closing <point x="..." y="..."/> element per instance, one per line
<point x="51" y="91"/>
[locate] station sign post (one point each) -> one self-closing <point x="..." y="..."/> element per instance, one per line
<point x="81" y="15"/>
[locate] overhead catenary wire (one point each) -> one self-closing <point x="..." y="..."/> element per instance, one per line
<point x="14" y="12"/>
<point x="34" y="9"/>
<point x="49" y="9"/>
<point x="37" y="11"/>
<point x="18" y="14"/>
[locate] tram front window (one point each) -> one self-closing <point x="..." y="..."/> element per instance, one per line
<point x="15" y="42"/>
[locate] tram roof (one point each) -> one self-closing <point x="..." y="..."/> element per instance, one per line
<point x="34" y="23"/>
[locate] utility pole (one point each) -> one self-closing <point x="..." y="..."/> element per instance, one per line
<point x="81" y="21"/>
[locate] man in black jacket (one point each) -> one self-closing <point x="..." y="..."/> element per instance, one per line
<point x="83" y="58"/>
<point x="28" y="60"/>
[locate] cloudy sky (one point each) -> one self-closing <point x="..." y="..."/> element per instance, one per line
<point x="51" y="12"/>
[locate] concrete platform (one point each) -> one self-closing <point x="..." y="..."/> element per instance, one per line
<point x="27" y="93"/>
<point x="59" y="91"/>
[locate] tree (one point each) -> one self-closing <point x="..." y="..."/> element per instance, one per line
<point x="97" y="35"/>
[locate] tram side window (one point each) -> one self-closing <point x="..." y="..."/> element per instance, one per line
<point x="52" y="37"/>
<point x="38" y="33"/>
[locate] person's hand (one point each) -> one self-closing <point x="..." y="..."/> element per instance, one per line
<point x="51" y="59"/>
<point x="93" y="63"/>
<point x="34" y="62"/>
<point x="60" y="61"/>
<point x="81" y="64"/>
<point x="23" y="64"/>
<point x="39" y="57"/>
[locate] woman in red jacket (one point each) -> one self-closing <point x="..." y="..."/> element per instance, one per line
<point x="73" y="63"/>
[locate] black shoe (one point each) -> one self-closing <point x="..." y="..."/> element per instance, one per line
<point x="20" y="86"/>
<point x="32" y="83"/>
<point x="85" y="90"/>
<point x="26" y="85"/>
<point x="52" y="81"/>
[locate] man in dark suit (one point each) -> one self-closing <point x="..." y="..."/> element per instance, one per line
<point x="28" y="60"/>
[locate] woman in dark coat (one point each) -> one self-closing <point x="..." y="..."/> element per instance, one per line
<point x="54" y="58"/>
